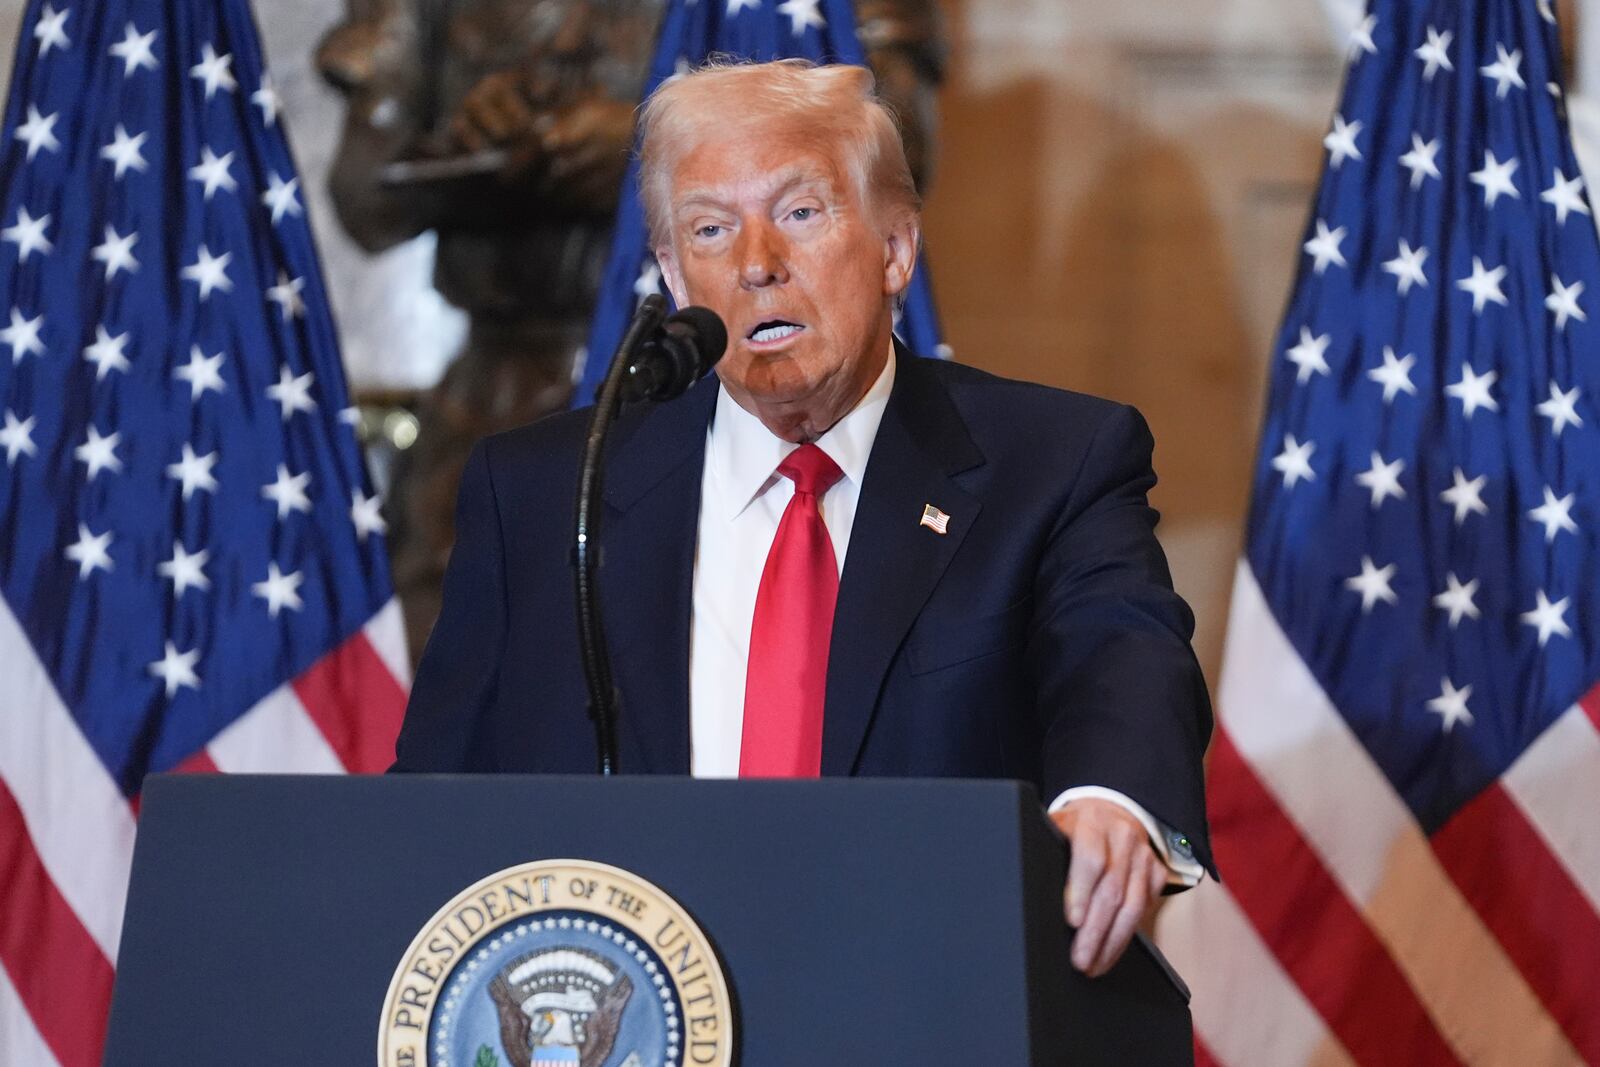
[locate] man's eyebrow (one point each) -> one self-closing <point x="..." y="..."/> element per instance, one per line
<point x="786" y="181"/>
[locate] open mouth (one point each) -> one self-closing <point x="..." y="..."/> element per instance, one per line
<point x="774" y="330"/>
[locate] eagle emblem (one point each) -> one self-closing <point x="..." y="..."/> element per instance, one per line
<point x="561" y="1006"/>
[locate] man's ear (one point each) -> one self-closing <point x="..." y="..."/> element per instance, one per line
<point x="672" y="275"/>
<point x="900" y="246"/>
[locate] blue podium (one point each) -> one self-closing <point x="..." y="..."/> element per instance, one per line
<point x="861" y="922"/>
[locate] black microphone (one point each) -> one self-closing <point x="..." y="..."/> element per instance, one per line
<point x="677" y="354"/>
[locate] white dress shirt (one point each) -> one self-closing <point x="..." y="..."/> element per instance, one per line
<point x="742" y="500"/>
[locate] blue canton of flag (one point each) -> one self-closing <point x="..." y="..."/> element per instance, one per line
<point x="692" y="31"/>
<point x="192" y="567"/>
<point x="1425" y="507"/>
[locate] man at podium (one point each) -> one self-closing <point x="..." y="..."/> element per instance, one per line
<point x="832" y="557"/>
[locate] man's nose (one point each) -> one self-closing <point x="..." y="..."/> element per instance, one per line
<point x="762" y="256"/>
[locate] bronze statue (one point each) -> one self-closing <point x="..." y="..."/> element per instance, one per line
<point x="504" y="126"/>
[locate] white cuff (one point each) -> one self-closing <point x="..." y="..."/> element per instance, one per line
<point x="1172" y="846"/>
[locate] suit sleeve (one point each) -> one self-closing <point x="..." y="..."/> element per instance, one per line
<point x="1123" y="702"/>
<point x="456" y="680"/>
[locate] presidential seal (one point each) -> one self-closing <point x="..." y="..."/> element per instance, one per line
<point x="559" y="962"/>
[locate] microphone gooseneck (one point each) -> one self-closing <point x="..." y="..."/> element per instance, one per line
<point x="659" y="358"/>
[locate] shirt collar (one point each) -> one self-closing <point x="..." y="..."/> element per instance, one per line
<point x="743" y="455"/>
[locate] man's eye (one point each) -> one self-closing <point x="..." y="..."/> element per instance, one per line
<point x="710" y="230"/>
<point x="801" y="214"/>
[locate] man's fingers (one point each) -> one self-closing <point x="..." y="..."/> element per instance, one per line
<point x="1127" y="917"/>
<point x="1089" y="858"/>
<point x="1111" y="887"/>
<point x="1103" y="905"/>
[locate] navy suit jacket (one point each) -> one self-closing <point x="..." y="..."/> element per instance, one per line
<point x="1039" y="638"/>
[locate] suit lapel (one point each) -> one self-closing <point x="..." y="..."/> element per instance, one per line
<point x="893" y="562"/>
<point x="647" y="574"/>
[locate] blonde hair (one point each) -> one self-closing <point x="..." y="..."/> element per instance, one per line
<point x="836" y="101"/>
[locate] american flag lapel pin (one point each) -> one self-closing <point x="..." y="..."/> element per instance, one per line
<point x="935" y="520"/>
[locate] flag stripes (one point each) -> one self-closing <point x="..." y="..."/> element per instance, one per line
<point x="1467" y="984"/>
<point x="80" y="823"/>
<point x="1500" y="863"/>
<point x="353" y="675"/>
<point x="20" y="1040"/>
<point x="1280" y="1027"/>
<point x="57" y="971"/>
<point x="1315" y="932"/>
<point x="1556" y="785"/>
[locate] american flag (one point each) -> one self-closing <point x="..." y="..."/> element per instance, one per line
<point x="192" y="568"/>
<point x="693" y="31"/>
<point x="1406" y="779"/>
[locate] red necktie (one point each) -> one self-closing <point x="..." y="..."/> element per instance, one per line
<point x="787" y="677"/>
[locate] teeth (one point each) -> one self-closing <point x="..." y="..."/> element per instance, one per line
<point x="774" y="333"/>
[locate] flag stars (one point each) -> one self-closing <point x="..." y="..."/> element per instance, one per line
<point x="124" y="151"/>
<point x="99" y="453"/>
<point x="1435" y="53"/>
<point x="1382" y="480"/>
<point x="209" y="272"/>
<point x="1484" y="285"/>
<point x="280" y="197"/>
<point x="135" y="50"/>
<point x="212" y="172"/>
<point x="1310" y="355"/>
<point x="1561" y="409"/>
<point x="736" y="6"/>
<point x="802" y="15"/>
<point x="214" y="70"/>
<point x="266" y="98"/>
<point x="1473" y="390"/>
<point x="1451" y="704"/>
<point x="1324" y="247"/>
<point x="1420" y="161"/>
<point x="22" y="336"/>
<point x="279" y="590"/>
<point x="1566" y="196"/>
<point x="1555" y="515"/>
<point x="1406" y="267"/>
<point x="1563" y="302"/>
<point x="291" y="393"/>
<point x="1394" y="375"/>
<point x="1548" y="618"/>
<point x="1495" y="178"/>
<point x="1360" y="42"/>
<point x="1341" y="142"/>
<point x="1504" y="71"/>
<point x="1457" y="599"/>
<point x="201" y="372"/>
<point x="1373" y="584"/>
<point x="176" y="669"/>
<point x="194" y="472"/>
<point x="1466" y="495"/>
<point x="38" y="132"/>
<point x="106" y="353"/>
<point x="286" y="294"/>
<point x="17" y="437"/>
<point x="91" y="552"/>
<point x="116" y="252"/>
<point x="186" y="570"/>
<point x="288" y="492"/>
<point x="27" y="233"/>
<point x="366" y="513"/>
<point x="1294" y="462"/>
<point x="50" y="31"/>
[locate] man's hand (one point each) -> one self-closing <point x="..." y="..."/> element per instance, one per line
<point x="1114" y="876"/>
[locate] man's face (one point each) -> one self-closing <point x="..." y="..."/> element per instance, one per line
<point x="769" y="231"/>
